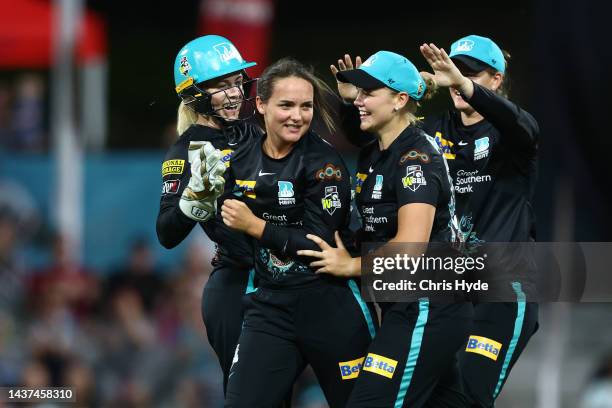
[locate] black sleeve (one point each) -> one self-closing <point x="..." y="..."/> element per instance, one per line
<point x="516" y="126"/>
<point x="350" y="122"/>
<point x="418" y="180"/>
<point x="172" y="225"/>
<point x="326" y="208"/>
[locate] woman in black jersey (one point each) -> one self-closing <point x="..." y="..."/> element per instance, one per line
<point x="289" y="184"/>
<point x="404" y="195"/>
<point x="491" y="146"/>
<point x="211" y="81"/>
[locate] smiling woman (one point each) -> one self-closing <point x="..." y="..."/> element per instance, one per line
<point x="290" y="184"/>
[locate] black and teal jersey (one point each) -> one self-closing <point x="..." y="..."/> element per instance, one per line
<point x="493" y="164"/>
<point x="232" y="248"/>
<point x="307" y="191"/>
<point x="410" y="170"/>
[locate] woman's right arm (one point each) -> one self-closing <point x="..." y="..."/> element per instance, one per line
<point x="172" y="225"/>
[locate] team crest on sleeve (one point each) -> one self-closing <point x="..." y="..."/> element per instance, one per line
<point x="331" y="201"/>
<point x="414" y="178"/>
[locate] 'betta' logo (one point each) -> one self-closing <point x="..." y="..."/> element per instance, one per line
<point x="464" y="46"/>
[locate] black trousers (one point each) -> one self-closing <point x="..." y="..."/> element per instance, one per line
<point x="412" y="362"/>
<point x="325" y="324"/>
<point x="498" y="336"/>
<point x="222" y="311"/>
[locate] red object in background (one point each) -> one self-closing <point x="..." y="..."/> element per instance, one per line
<point x="246" y="23"/>
<point x="26" y="34"/>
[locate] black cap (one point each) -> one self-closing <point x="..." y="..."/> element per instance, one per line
<point x="360" y="79"/>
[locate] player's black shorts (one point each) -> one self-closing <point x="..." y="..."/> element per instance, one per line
<point x="499" y="333"/>
<point x="412" y="362"/>
<point x="222" y="311"/>
<point x="325" y="324"/>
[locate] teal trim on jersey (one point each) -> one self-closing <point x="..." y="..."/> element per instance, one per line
<point x="518" y="327"/>
<point x="364" y="308"/>
<point x="251" y="283"/>
<point x="415" y="348"/>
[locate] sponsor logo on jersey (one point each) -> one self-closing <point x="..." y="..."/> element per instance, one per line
<point x="184" y="67"/>
<point x="483" y="346"/>
<point x="227" y="52"/>
<point x="173" y="167"/>
<point x="350" y="369"/>
<point x="444" y="146"/>
<point x="414" y="155"/>
<point x="360" y="179"/>
<point x="171" y="186"/>
<point x="465" y="180"/>
<point x="328" y="172"/>
<point x="377" y="192"/>
<point x="247" y="187"/>
<point x="414" y="178"/>
<point x="380" y="365"/>
<point x="481" y="148"/>
<point x="226" y="156"/>
<point x="331" y="201"/>
<point x="285" y="193"/>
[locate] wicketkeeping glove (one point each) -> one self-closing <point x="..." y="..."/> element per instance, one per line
<point x="199" y="199"/>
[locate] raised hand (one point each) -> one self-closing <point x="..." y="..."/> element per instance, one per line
<point x="347" y="91"/>
<point x="446" y="72"/>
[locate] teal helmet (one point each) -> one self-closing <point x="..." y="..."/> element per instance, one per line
<point x="205" y="58"/>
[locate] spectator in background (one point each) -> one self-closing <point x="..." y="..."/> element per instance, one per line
<point x="139" y="274"/>
<point x="72" y="283"/>
<point x="28" y="126"/>
<point x="598" y="393"/>
<point x="6" y="115"/>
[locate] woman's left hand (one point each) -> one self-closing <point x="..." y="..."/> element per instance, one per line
<point x="238" y="215"/>
<point x="335" y="261"/>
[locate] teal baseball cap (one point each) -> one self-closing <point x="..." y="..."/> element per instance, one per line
<point x="388" y="69"/>
<point x="478" y="53"/>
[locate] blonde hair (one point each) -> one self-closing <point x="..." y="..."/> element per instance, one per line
<point x="413" y="105"/>
<point x="185" y="118"/>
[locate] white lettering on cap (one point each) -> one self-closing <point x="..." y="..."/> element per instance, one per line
<point x="465" y="45"/>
